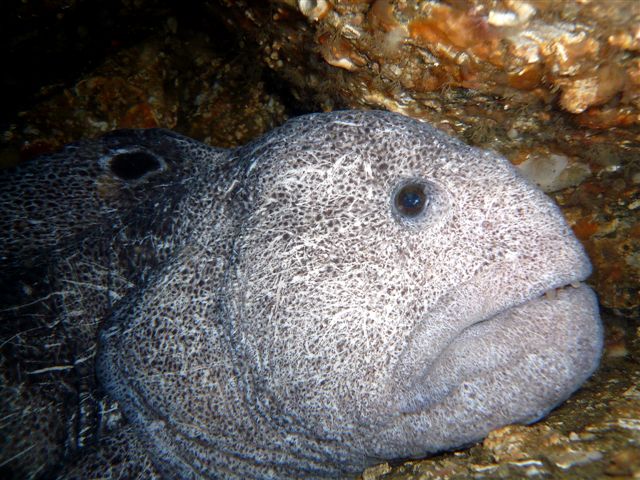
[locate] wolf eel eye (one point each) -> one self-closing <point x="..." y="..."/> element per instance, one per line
<point x="410" y="199"/>
<point x="134" y="164"/>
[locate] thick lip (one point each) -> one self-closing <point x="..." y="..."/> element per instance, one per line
<point x="418" y="404"/>
<point x="415" y="368"/>
<point x="558" y="332"/>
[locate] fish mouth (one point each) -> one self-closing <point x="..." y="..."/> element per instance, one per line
<point x="434" y="375"/>
<point x="512" y="366"/>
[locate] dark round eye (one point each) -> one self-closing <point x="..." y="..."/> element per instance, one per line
<point x="133" y="165"/>
<point x="410" y="199"/>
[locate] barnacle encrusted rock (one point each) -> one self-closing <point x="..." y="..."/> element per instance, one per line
<point x="581" y="56"/>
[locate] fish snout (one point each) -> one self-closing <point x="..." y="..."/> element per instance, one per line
<point x="513" y="335"/>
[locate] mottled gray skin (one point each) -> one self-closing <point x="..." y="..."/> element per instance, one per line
<point x="269" y="312"/>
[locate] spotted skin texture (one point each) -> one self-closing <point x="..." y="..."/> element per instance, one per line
<point x="180" y="311"/>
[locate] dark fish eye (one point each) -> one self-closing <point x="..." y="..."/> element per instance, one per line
<point x="133" y="165"/>
<point x="410" y="199"/>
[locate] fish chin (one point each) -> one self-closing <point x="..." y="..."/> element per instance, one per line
<point x="513" y="367"/>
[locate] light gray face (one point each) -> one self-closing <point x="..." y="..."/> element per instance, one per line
<point x="353" y="286"/>
<point x="370" y="289"/>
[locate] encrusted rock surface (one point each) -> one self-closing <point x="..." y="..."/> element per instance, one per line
<point x="404" y="55"/>
<point x="582" y="55"/>
<point x="604" y="213"/>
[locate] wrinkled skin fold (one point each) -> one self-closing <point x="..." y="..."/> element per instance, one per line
<point x="352" y="287"/>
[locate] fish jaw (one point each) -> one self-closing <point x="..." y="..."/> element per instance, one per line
<point x="513" y="367"/>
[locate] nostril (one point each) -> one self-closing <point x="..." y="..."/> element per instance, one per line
<point x="134" y="164"/>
